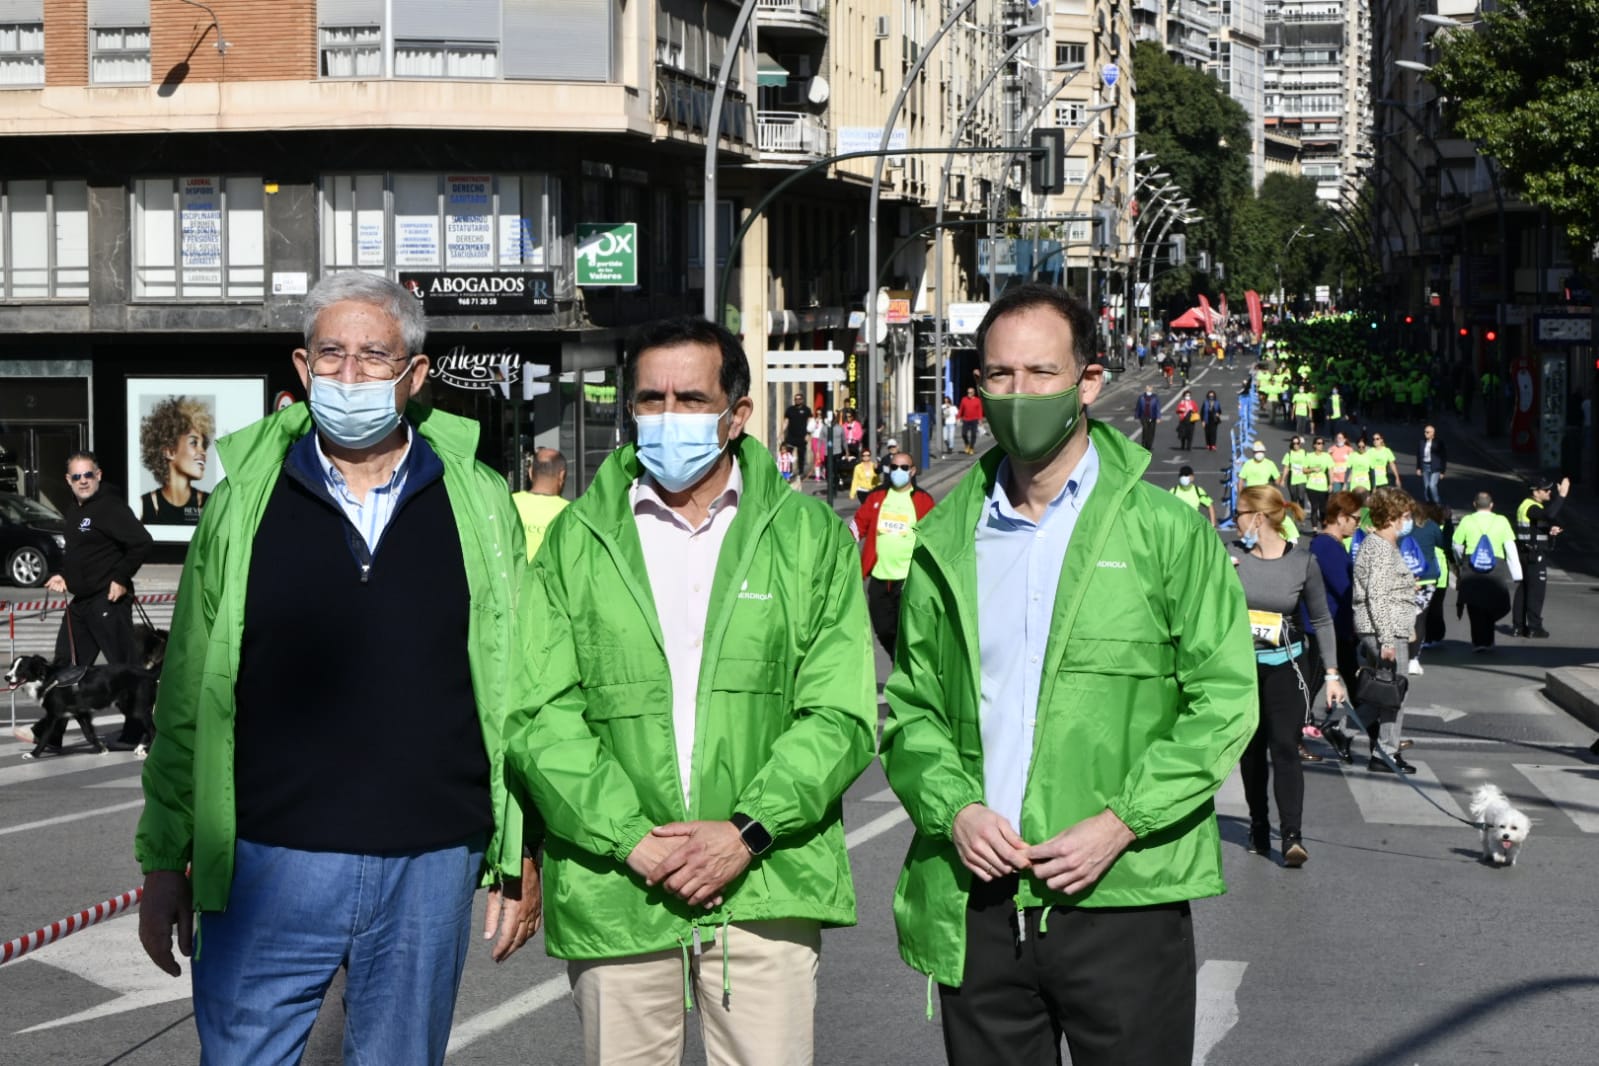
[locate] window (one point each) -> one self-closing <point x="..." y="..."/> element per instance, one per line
<point x="456" y="40"/>
<point x="1071" y="114"/>
<point x="1075" y="171"/>
<point x="119" y="42"/>
<point x="22" y="54"/>
<point x="383" y="223"/>
<point x="694" y="238"/>
<point x="44" y="240"/>
<point x="1070" y="53"/>
<point x="352" y="52"/>
<point x="199" y="238"/>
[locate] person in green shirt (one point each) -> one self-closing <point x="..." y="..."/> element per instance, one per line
<point x="1294" y="471"/>
<point x="546" y="475"/>
<point x="1359" y="473"/>
<point x="1191" y="494"/>
<point x="1488" y="567"/>
<point x="1318" y="478"/>
<point x="1304" y="400"/>
<point x="1258" y="470"/>
<point x="1335" y="410"/>
<point x="1384" y="470"/>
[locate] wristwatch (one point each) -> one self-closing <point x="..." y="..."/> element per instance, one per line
<point x="753" y="833"/>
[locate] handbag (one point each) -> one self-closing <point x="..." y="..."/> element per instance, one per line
<point x="1381" y="686"/>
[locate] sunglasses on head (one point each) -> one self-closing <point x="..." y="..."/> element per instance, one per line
<point x="81" y="477"/>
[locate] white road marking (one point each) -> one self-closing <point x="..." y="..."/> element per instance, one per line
<point x="1217" y="1006"/>
<point x="885" y="796"/>
<point x="1384" y="799"/>
<point x="1448" y="714"/>
<point x="109" y="955"/>
<point x="875" y="828"/>
<point x="60" y="765"/>
<point x="1572" y="789"/>
<point x="65" y="818"/>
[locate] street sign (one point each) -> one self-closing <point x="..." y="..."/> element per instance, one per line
<point x="899" y="312"/>
<point x="966" y="317"/>
<point x="806" y="373"/>
<point x="801" y="357"/>
<point x="1110" y="72"/>
<point x="607" y="253"/>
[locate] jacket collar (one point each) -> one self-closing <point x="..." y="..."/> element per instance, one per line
<point x="257" y="451"/>
<point x="607" y="505"/>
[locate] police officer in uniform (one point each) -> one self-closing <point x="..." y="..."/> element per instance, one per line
<point x="1535" y="533"/>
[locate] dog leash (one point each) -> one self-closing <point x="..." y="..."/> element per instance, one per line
<point x="1349" y="709"/>
<point x="144" y="616"/>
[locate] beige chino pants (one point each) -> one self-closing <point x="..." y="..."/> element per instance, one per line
<point x="632" y="1010"/>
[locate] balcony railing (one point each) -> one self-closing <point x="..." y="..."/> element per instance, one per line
<point x="790" y="136"/>
<point x="808" y="15"/>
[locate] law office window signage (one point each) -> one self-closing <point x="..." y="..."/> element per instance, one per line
<point x="503" y="294"/>
<point x="198" y="238"/>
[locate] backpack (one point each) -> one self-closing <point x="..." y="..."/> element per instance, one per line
<point x="1410" y="551"/>
<point x="1355" y="542"/>
<point x="1482" y="556"/>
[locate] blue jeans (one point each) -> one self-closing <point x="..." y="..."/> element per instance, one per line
<point x="1429" y="484"/>
<point x="400" y="924"/>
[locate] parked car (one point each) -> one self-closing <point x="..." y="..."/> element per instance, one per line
<point x="32" y="540"/>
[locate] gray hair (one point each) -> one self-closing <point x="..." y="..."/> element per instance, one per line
<point x="395" y="299"/>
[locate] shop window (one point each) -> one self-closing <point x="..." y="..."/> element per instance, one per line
<point x="199" y="238"/>
<point x="44" y="240"/>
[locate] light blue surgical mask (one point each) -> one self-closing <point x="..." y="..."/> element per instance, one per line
<point x="1406" y="527"/>
<point x="1250" y="539"/>
<point x="355" y="414"/>
<point x="899" y="478"/>
<point x="676" y="448"/>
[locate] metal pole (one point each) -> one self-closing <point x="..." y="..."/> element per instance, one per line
<point x="874" y="357"/>
<point x="713" y="138"/>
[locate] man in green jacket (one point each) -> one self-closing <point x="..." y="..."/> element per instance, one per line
<point x="1074" y="680"/>
<point x="702" y="693"/>
<point x="331" y="710"/>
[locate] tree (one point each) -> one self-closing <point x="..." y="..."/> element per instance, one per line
<point x="1525" y="87"/>
<point x="1200" y="136"/>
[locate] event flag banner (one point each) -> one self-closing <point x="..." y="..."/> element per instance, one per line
<point x="173" y="426"/>
<point x="1257" y="320"/>
<point x="1209" y="316"/>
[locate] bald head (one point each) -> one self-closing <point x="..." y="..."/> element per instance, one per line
<point x="547" y="472"/>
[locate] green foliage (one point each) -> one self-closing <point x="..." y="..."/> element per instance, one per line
<point x="1525" y="87"/>
<point x="1200" y="136"/>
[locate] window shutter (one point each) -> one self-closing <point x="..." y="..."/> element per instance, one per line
<point x="460" y="20"/>
<point x="349" y="12"/>
<point x="21" y="10"/>
<point x="119" y="13"/>
<point x="558" y="40"/>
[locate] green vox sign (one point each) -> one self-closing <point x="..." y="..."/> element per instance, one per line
<point x="607" y="253"/>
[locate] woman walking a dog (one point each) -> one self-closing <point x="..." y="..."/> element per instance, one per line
<point x="1280" y="581"/>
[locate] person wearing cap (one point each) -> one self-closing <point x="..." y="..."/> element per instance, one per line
<point x="1191" y="494"/>
<point x="1258" y="470"/>
<point x="1535" y="533"/>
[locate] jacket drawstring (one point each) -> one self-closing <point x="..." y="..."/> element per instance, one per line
<point x="688" y="994"/>
<point x="727" y="979"/>
<point x="1021" y="923"/>
<point x="929" y="997"/>
<point x="196" y="956"/>
<point x="1043" y="921"/>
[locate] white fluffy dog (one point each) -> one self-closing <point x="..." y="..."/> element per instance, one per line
<point x="1504" y="829"/>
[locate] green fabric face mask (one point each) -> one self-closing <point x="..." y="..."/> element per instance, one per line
<point x="1027" y="428"/>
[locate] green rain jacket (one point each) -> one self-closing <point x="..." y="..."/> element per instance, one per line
<point x="188" y="779"/>
<point x="785" y="718"/>
<point x="1148" y="698"/>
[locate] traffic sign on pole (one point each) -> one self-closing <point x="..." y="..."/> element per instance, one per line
<point x="806" y="373"/>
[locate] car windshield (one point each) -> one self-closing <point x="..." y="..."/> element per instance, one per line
<point x="22" y="509"/>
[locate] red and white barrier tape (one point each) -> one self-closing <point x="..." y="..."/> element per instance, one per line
<point x="15" y="949"/>
<point x="56" y="605"/>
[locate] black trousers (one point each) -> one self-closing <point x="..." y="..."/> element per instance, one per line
<point x="1149" y="433"/>
<point x="1526" y="611"/>
<point x="1318" y="503"/>
<point x="1185" y="435"/>
<point x="882" y="605"/>
<point x="1210" y="433"/>
<point x="1482" y="621"/>
<point x="1437" y="627"/>
<point x="969" y="434"/>
<point x="1117" y="983"/>
<point x="93" y="624"/>
<point x="1273" y="752"/>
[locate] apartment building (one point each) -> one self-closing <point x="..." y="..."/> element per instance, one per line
<point x="1317" y="85"/>
<point x="1238" y="62"/>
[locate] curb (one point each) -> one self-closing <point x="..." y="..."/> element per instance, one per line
<point x="1575" y="690"/>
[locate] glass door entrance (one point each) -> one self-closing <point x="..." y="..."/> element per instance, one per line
<point x="33" y="459"/>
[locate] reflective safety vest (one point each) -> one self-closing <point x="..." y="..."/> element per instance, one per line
<point x="1335" y="406"/>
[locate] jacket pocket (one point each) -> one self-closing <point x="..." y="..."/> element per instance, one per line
<point x="759" y="676"/>
<point x="1119" y="658"/>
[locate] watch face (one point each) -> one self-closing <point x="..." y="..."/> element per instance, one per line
<point x="756" y="838"/>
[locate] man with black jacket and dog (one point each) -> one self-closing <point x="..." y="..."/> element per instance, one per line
<point x="106" y="545"/>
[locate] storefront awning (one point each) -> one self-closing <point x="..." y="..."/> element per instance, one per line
<point x="769" y="72"/>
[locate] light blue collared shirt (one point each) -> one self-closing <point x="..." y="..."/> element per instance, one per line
<point x="371" y="516"/>
<point x="1018" y="573"/>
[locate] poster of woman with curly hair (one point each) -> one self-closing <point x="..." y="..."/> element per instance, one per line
<point x="173" y="426"/>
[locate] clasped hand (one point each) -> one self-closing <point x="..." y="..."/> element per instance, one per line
<point x="691" y="860"/>
<point x="1069" y="862"/>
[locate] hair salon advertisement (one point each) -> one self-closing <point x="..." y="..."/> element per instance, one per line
<point x="173" y="426"/>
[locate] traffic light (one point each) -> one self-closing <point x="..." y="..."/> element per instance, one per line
<point x="1464" y="332"/>
<point x="1410" y="320"/>
<point x="1490" y="335"/>
<point x="1374" y="323"/>
<point x="1046" y="172"/>
<point x="1179" y="250"/>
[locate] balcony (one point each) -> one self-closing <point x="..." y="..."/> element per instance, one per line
<point x="790" y="137"/>
<point x="794" y="17"/>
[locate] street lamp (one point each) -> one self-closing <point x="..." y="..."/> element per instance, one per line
<point x="1448" y="23"/>
<point x="1411" y="64"/>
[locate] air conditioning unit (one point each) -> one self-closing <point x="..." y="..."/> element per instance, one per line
<point x="882" y="27"/>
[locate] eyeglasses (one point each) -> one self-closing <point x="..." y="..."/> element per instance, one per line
<point x="901" y="466"/>
<point x="372" y="363"/>
<point x="90" y="476"/>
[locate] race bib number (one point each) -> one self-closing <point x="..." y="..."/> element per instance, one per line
<point x="1267" y="627"/>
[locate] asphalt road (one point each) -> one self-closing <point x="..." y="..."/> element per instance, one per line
<point x="1394" y="944"/>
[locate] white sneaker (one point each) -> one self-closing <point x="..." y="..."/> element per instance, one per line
<point x="1415" y="668"/>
